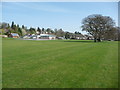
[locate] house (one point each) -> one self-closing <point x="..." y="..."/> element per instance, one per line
<point x="4" y="36"/>
<point x="44" y="36"/>
<point x="47" y="36"/>
<point x="14" y="35"/>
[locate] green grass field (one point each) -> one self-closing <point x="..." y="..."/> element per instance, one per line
<point x="59" y="64"/>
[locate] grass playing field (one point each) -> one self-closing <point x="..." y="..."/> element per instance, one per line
<point x="59" y="64"/>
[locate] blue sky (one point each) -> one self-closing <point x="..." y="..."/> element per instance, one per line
<point x="65" y="15"/>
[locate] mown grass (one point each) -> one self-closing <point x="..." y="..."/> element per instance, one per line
<point x="59" y="64"/>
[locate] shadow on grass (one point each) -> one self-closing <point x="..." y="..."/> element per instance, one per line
<point x="82" y="41"/>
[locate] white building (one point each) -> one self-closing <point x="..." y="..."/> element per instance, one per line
<point x="44" y="36"/>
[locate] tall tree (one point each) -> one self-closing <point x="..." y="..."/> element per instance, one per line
<point x="12" y="25"/>
<point x="67" y="35"/>
<point x="43" y="30"/>
<point x="23" y="26"/>
<point x="20" y="31"/>
<point x="52" y="32"/>
<point x="55" y="31"/>
<point x="32" y="30"/>
<point x="39" y="30"/>
<point x="14" y="29"/>
<point x="48" y="30"/>
<point x="60" y="33"/>
<point x="96" y="25"/>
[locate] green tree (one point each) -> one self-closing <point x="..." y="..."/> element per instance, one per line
<point x="32" y="30"/>
<point x="55" y="31"/>
<point x="112" y="34"/>
<point x="52" y="32"/>
<point x="43" y="30"/>
<point x="67" y="35"/>
<point x="24" y="31"/>
<point x="60" y="33"/>
<point x="14" y="29"/>
<point x="12" y="25"/>
<point x="48" y="30"/>
<point x="20" y="31"/>
<point x="7" y="31"/>
<point x="23" y="26"/>
<point x="39" y="30"/>
<point x="96" y="25"/>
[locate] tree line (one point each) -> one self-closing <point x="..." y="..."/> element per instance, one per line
<point x="7" y="29"/>
<point x="100" y="27"/>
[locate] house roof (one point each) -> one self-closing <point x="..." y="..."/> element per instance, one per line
<point x="14" y="34"/>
